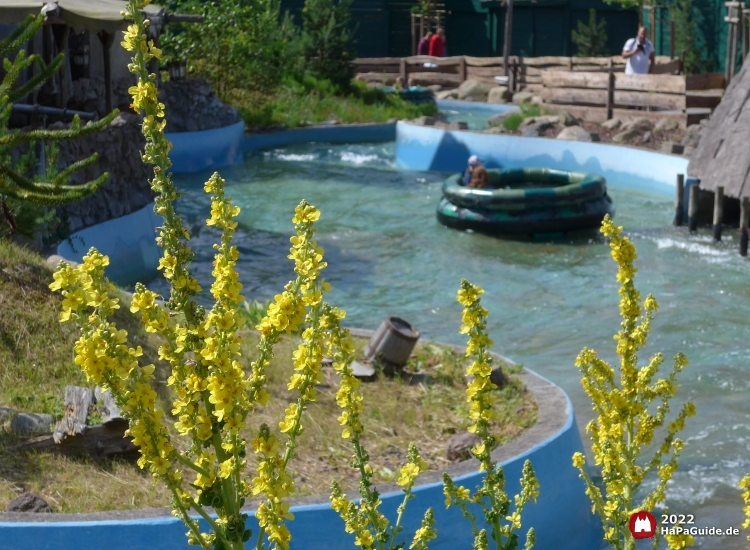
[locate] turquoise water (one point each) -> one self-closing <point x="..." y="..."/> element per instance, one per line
<point x="388" y="255"/>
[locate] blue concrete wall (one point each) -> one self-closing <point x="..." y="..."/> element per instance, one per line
<point x="426" y="148"/>
<point x="317" y="527"/>
<point x="355" y="133"/>
<point x="207" y="149"/>
<point x="129" y="241"/>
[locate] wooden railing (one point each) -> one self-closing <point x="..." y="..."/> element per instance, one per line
<point x="597" y="95"/>
<point x="426" y="70"/>
<point x="525" y="72"/>
<point x="530" y="69"/>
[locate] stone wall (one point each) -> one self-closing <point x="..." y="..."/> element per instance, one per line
<point x="127" y="189"/>
<point x="191" y="105"/>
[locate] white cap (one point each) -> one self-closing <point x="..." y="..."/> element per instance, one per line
<point x="474" y="160"/>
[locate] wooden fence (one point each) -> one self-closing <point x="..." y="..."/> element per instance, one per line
<point x="597" y="96"/>
<point x="525" y="72"/>
<point x="530" y="69"/>
<point x="448" y="72"/>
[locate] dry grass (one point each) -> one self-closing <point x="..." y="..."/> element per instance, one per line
<point x="36" y="363"/>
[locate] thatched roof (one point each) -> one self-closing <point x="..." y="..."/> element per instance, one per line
<point x="722" y="157"/>
<point x="94" y="15"/>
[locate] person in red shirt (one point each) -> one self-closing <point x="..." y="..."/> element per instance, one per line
<point x="436" y="43"/>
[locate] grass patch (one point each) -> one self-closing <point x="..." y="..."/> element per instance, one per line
<point x="36" y="362"/>
<point x="514" y="121"/>
<point x="311" y="102"/>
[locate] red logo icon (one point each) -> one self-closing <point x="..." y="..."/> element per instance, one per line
<point x="642" y="525"/>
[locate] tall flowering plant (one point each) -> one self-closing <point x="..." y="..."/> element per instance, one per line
<point x="501" y="523"/>
<point x="624" y="423"/>
<point x="213" y="395"/>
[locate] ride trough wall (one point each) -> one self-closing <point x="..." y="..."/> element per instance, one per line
<point x="562" y="517"/>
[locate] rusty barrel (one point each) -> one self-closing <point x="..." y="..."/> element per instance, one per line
<point x="392" y="344"/>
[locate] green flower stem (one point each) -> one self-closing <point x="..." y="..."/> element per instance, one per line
<point x="190" y="464"/>
<point x="401" y="509"/>
<point x="187" y="520"/>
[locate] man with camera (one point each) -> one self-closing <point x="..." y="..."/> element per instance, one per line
<point x="639" y="53"/>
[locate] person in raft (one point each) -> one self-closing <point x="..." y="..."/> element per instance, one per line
<point x="436" y="43"/>
<point x="639" y="52"/>
<point x="473" y="163"/>
<point x="424" y="45"/>
<point x="479" y="178"/>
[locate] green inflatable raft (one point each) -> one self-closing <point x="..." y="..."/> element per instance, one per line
<point x="527" y="201"/>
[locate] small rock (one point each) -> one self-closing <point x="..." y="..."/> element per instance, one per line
<point x="666" y="125"/>
<point x="640" y="124"/>
<point x="363" y="372"/>
<point x="391" y="121"/>
<point x="536" y="100"/>
<point x="499" y="118"/>
<point x="475" y="90"/>
<point x="535" y="129"/>
<point x="672" y="148"/>
<point x="688" y="151"/>
<point x="458" y="125"/>
<point x="611" y="124"/>
<point x="29" y="423"/>
<point x="499" y="94"/>
<point x="497" y="377"/>
<point x="6" y="413"/>
<point x="54" y="260"/>
<point x="459" y="446"/>
<point x="28" y="502"/>
<point x="694" y="129"/>
<point x="447" y="94"/>
<point x="435" y="87"/>
<point x="494" y="130"/>
<point x="576" y="133"/>
<point x="646" y="137"/>
<point x="425" y="121"/>
<point x="566" y="119"/>
<point x="625" y="135"/>
<point x="123" y="119"/>
<point x="522" y="97"/>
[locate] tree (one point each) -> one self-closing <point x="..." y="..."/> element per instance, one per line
<point x="687" y="35"/>
<point x="240" y="45"/>
<point x="591" y="39"/>
<point x="17" y="187"/>
<point x="327" y="41"/>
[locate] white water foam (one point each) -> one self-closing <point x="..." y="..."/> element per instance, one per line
<point x="357" y="158"/>
<point x="709" y="252"/>
<point x="297" y="158"/>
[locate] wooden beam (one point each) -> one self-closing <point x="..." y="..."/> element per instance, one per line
<point x="718" y="212"/>
<point x="679" y="199"/>
<point x="107" y="40"/>
<point x="666" y="84"/>
<point x="182" y="18"/>
<point x="707" y="99"/>
<point x="75" y="412"/>
<point x="565" y="79"/>
<point x="707" y="81"/>
<point x="610" y="94"/>
<point x="508" y="36"/>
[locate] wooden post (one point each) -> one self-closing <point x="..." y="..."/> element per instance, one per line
<point x="731" y="31"/>
<point x="679" y="198"/>
<point x="735" y="40"/>
<point x="652" y="23"/>
<point x="413" y="34"/>
<point x="403" y="70"/>
<point x="462" y="68"/>
<point x="508" y="35"/>
<point x="107" y="40"/>
<point x="718" y="212"/>
<point x="693" y="208"/>
<point x="672" y="32"/>
<point x="744" y="219"/>
<point x="610" y="95"/>
<point x="745" y="34"/>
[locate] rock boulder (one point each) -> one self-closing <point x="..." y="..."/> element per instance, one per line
<point x="474" y="90"/>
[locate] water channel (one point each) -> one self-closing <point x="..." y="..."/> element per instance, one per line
<point x="388" y="255"/>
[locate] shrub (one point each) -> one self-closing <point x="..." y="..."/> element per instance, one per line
<point x="591" y="39"/>
<point x="327" y="41"/>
